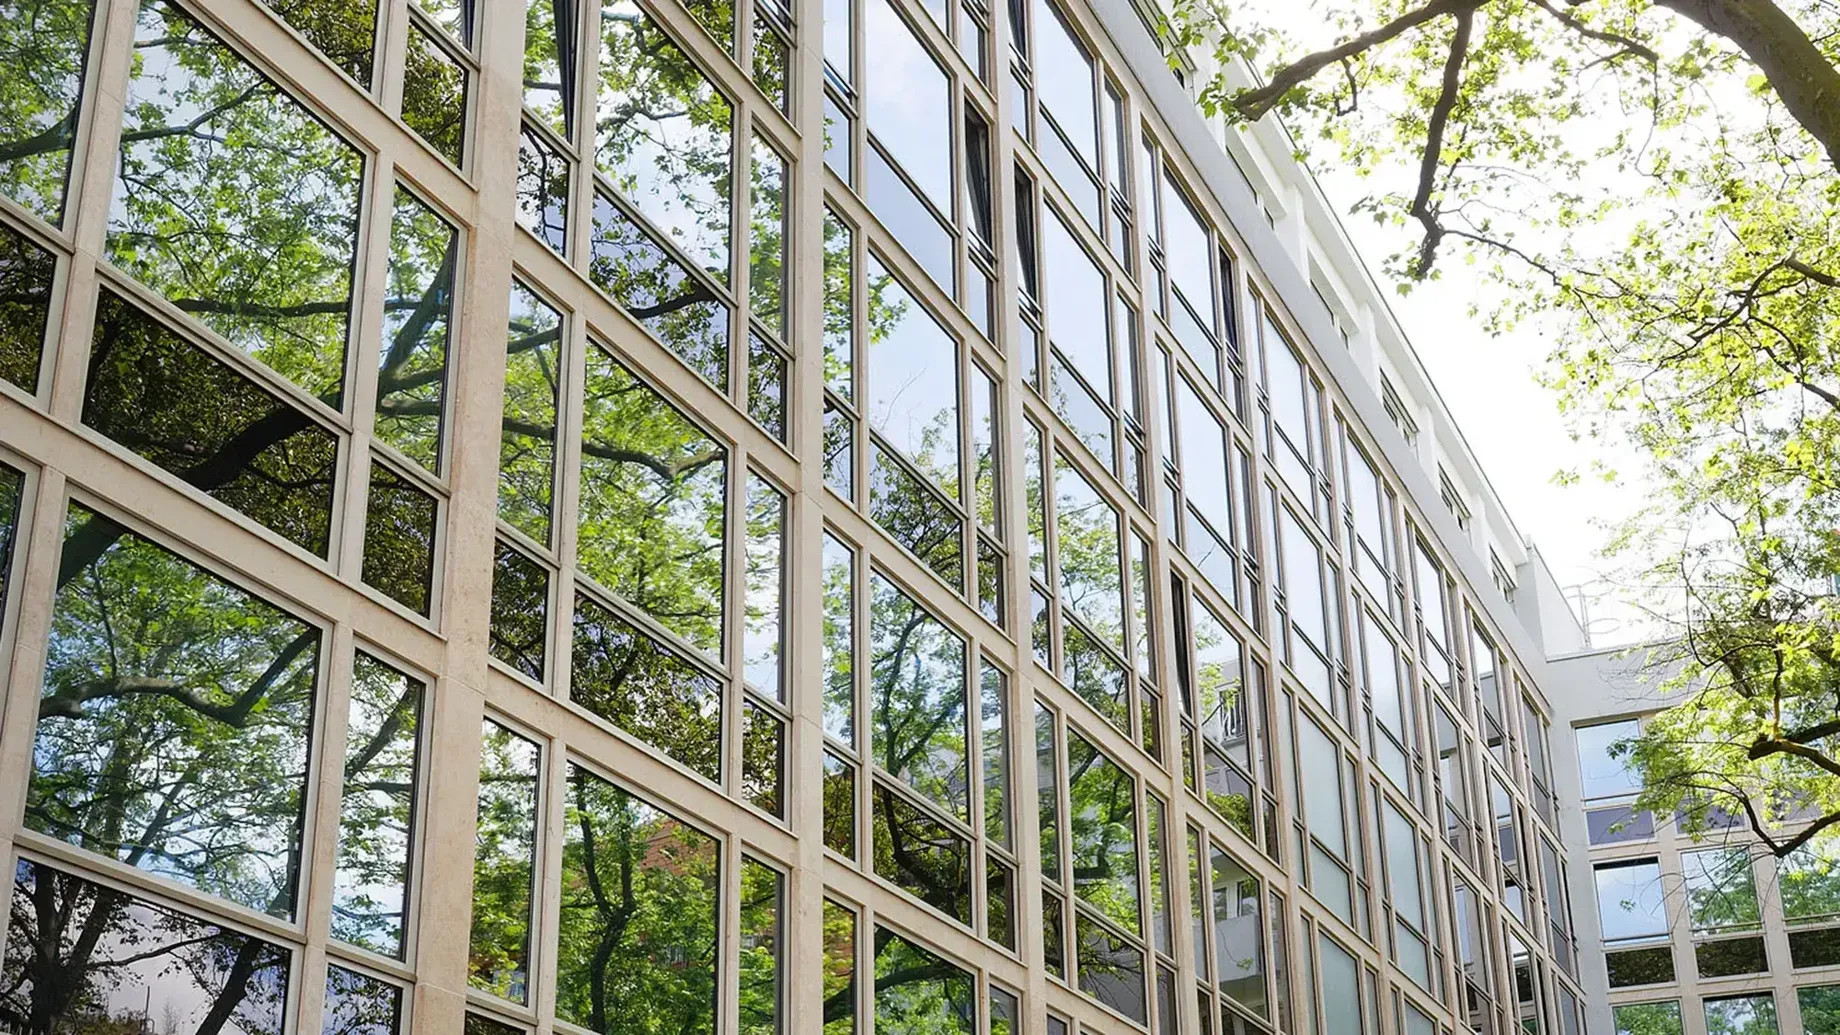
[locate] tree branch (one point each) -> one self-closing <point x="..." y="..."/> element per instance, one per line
<point x="1253" y="104"/>
<point x="1422" y="208"/>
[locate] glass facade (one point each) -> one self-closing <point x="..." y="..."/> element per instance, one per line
<point x="576" y="515"/>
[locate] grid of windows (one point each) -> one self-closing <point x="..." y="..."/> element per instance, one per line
<point x="590" y="503"/>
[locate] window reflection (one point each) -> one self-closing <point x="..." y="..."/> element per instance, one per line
<point x="248" y="221"/>
<point x="417" y="327"/>
<point x="630" y="679"/>
<point x="358" y="1004"/>
<point x="43" y="47"/>
<point x="504" y="863"/>
<point x="399" y="538"/>
<point x="434" y="95"/>
<point x="173" y="727"/>
<point x="663" y="136"/>
<point x="370" y="879"/>
<point x="921" y="855"/>
<point x="527" y="451"/>
<point x="636" y="938"/>
<point x="652" y="517"/>
<point x="88" y="959"/>
<point x="908" y="102"/>
<point x="912" y="379"/>
<point x="917" y="696"/>
<point x="343" y="30"/>
<point x="918" y="992"/>
<point x="659" y="291"/>
<point x="25" y="304"/>
<point x="1102" y="815"/>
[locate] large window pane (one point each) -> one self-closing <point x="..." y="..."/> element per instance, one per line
<point x="43" y="46"/>
<point x="343" y="30"/>
<point x="1110" y="969"/>
<point x="417" y="324"/>
<point x="1239" y="936"/>
<point x="399" y="538"/>
<point x="504" y="863"/>
<point x="1650" y="1019"/>
<point x="652" y="513"/>
<point x="1091" y="556"/>
<point x="663" y="136"/>
<point x="84" y="957"/>
<point x="434" y="95"/>
<point x="358" y="1004"/>
<point x="1809" y="879"/>
<point x="520" y="611"/>
<point x="636" y="939"/>
<point x="917" y="992"/>
<point x="1630" y="901"/>
<point x="839" y="642"/>
<point x="658" y="290"/>
<point x="1102" y="798"/>
<point x="909" y="105"/>
<point x="839" y="982"/>
<point x="173" y="728"/>
<point x="762" y="896"/>
<point x="922" y="855"/>
<point x="917" y="695"/>
<point x="1820" y="1010"/>
<point x="1741" y="1015"/>
<point x="912" y="379"/>
<point x="371" y="880"/>
<point x="249" y="220"/>
<point x="1606" y="775"/>
<point x="1721" y="896"/>
<point x="215" y="429"/>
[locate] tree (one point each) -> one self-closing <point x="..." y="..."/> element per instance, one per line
<point x="1658" y="180"/>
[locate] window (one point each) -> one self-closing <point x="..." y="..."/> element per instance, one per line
<point x="1648" y="1018"/>
<point x="1741" y="1015"/>
<point x="1397" y="411"/>
<point x="1720" y="894"/>
<point x="1603" y="769"/>
<point x="1630" y="903"/>
<point x="376" y="807"/>
<point x="1453" y="499"/>
<point x="25" y="281"/>
<point x="114" y="768"/>
<point x="918" y="990"/>
<point x="504" y="864"/>
<point x="1820" y="1008"/>
<point x="1809" y="881"/>
<point x="1503" y="578"/>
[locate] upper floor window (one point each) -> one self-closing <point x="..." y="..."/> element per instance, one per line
<point x="1630" y="903"/>
<point x="1604" y="773"/>
<point x="1453" y="499"/>
<point x="1503" y="578"/>
<point x="1397" y="411"/>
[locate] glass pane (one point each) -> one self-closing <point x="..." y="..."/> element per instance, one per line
<point x="839" y="969"/>
<point x="44" y="45"/>
<point x="12" y="488"/>
<point x="255" y="240"/>
<point x="908" y="102"/>
<point x="1664" y="1018"/>
<point x="1091" y="556"/>
<point x="1741" y="1015"/>
<point x="1047" y="789"/>
<point x="917" y="686"/>
<point x="1239" y="946"/>
<point x="1820" y="1011"/>
<point x="399" y="535"/>
<point x="202" y="780"/>
<point x="761" y="896"/>
<point x="628" y="263"/>
<point x="766" y="574"/>
<point x="417" y="323"/>
<point x="652" y="513"/>
<point x="376" y="807"/>
<point x="1005" y="1013"/>
<point x="763" y="758"/>
<point x="1341" y="1001"/>
<point x="623" y="675"/>
<point x="549" y="63"/>
<point x="622" y="968"/>
<point x="1064" y="78"/>
<point x="1102" y="814"/>
<point x="662" y="135"/>
<point x="358" y="1004"/>
<point x="922" y="855"/>
<point x="1220" y="680"/>
<point x="25" y="299"/>
<point x="767" y="386"/>
<point x="456" y="16"/>
<point x="839" y="806"/>
<point x="434" y="96"/>
<point x="999" y="902"/>
<point x="915" y="515"/>
<point x="1630" y="900"/>
<point x="527" y="451"/>
<point x="76" y="949"/>
<point x="839" y="314"/>
<point x="520" y="611"/>
<point x="1809" y="878"/>
<point x="212" y="427"/>
<point x="993" y="728"/>
<point x="918" y="992"/>
<point x="839" y="451"/>
<point x="504" y="863"/>
<point x="1605" y="774"/>
<point x="542" y="189"/>
<point x="1720" y="892"/>
<point x="767" y="244"/>
<point x="1075" y="290"/>
<point x="1110" y="969"/>
<point x="912" y="380"/>
<point x="772" y="64"/>
<point x="839" y="645"/>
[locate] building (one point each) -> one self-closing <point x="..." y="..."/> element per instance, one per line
<point x="552" y="517"/>
<point x="1707" y="935"/>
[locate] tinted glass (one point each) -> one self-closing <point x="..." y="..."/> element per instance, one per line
<point x="921" y="855"/>
<point x="527" y="450"/>
<point x="1102" y="798"/>
<point x="918" y="692"/>
<point x="399" y="538"/>
<point x="434" y="95"/>
<point x="25" y="301"/>
<point x="623" y="675"/>
<point x="658" y="290"/>
<point x="343" y="30"/>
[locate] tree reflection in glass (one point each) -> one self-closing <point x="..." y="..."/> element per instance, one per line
<point x="527" y="451"/>
<point x="173" y="727"/>
<point x="918" y="992"/>
<point x="658" y="290"/>
<point x="43" y="46"/>
<point x="25" y="304"/>
<point x="235" y="203"/>
<point x="504" y="863"/>
<point x="636" y="938"/>
<point x="921" y="855"/>
<point x="358" y="1004"/>
<point x="761" y="900"/>
<point x="917" y="698"/>
<point x="434" y="95"/>
<point x="343" y="30"/>
<point x="86" y="959"/>
<point x="663" y="135"/>
<point x="652" y="515"/>
<point x="370" y="880"/>
<point x="1102" y="816"/>
<point x="417" y="325"/>
<point x="625" y="676"/>
<point x="912" y="391"/>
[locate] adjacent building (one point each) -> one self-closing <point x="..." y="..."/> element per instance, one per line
<point x="737" y="517"/>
